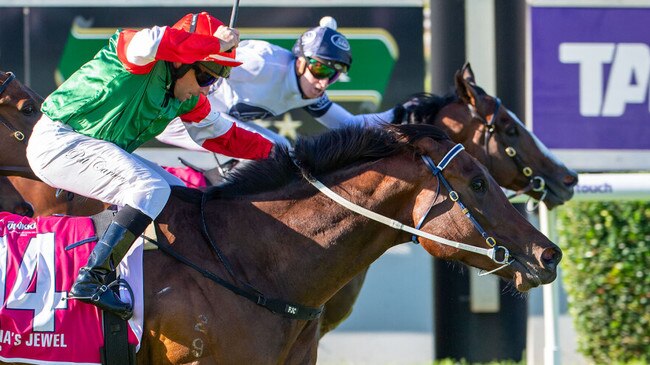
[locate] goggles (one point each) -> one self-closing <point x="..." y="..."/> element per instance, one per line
<point x="205" y="78"/>
<point x="321" y="70"/>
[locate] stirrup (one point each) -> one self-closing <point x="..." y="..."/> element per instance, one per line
<point x="104" y="288"/>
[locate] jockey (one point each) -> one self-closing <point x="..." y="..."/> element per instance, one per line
<point x="117" y="101"/>
<point x="273" y="80"/>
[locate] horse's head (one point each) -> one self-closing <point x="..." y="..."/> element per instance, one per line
<point x="497" y="138"/>
<point x="494" y="236"/>
<point x="19" y="112"/>
<point x="388" y="184"/>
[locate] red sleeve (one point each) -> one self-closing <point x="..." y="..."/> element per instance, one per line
<point x="240" y="143"/>
<point x="199" y="112"/>
<point x="180" y="46"/>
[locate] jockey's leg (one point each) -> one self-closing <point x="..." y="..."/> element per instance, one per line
<point x="129" y="223"/>
<point x="91" y="284"/>
<point x="98" y="169"/>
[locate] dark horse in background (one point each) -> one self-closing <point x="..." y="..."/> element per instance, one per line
<point x="495" y="136"/>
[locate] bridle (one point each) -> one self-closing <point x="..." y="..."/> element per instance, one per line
<point x="498" y="254"/>
<point x="18" y="135"/>
<point x="536" y="183"/>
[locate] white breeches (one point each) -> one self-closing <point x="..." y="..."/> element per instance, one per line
<point x="97" y="169"/>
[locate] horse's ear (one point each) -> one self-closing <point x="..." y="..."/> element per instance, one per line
<point x="464" y="88"/>
<point x="426" y="146"/>
<point x="468" y="73"/>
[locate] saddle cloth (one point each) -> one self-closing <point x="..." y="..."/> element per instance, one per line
<point x="37" y="324"/>
<point x="192" y="178"/>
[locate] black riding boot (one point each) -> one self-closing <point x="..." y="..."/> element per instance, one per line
<point x="91" y="284"/>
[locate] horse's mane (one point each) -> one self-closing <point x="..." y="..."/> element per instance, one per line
<point x="422" y="108"/>
<point x="332" y="150"/>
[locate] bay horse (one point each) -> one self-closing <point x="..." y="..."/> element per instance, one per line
<point x="293" y="229"/>
<point x="339" y="307"/>
<point x="281" y="236"/>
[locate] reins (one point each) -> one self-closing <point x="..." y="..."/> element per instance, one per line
<point x="492" y="252"/>
<point x="278" y="306"/>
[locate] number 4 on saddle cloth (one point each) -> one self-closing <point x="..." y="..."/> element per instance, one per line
<point x="39" y="261"/>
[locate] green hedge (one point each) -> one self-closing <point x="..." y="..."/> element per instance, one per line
<point x="606" y="272"/>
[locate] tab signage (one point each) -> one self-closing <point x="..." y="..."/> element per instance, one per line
<point x="591" y="77"/>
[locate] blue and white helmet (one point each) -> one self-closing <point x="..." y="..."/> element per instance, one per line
<point x="325" y="44"/>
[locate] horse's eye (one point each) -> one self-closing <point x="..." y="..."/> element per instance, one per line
<point x="28" y="110"/>
<point x="479" y="185"/>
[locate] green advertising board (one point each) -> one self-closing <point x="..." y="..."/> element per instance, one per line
<point x="56" y="40"/>
<point x="374" y="55"/>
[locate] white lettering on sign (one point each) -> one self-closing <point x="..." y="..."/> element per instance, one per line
<point x="627" y="82"/>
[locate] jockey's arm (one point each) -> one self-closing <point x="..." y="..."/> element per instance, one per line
<point x="219" y="133"/>
<point x="332" y="115"/>
<point x="138" y="50"/>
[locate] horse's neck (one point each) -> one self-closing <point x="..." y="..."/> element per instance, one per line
<point x="305" y="249"/>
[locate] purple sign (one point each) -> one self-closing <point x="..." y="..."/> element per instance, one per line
<point x="590" y="75"/>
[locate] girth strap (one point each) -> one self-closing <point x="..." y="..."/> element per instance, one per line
<point x="277" y="306"/>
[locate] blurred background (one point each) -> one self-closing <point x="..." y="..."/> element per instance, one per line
<point x="576" y="72"/>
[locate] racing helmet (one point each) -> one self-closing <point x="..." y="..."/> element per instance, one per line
<point x="218" y="63"/>
<point x="325" y="44"/>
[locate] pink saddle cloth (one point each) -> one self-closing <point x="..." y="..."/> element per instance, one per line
<point x="191" y="177"/>
<point x="37" y="324"/>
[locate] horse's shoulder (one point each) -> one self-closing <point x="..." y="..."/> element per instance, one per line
<point x="181" y="201"/>
<point x="187" y="195"/>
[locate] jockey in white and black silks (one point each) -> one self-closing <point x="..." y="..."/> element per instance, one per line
<point x="122" y="98"/>
<point x="273" y="80"/>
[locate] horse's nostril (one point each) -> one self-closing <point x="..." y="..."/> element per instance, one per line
<point x="551" y="257"/>
<point x="570" y="180"/>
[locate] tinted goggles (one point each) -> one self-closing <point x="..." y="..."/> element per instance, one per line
<point x="321" y="70"/>
<point x="203" y="78"/>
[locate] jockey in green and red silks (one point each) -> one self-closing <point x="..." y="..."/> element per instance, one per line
<point x="113" y="104"/>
